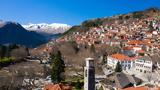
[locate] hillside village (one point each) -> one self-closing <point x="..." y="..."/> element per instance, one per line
<point x="80" y="45"/>
<point x="139" y="56"/>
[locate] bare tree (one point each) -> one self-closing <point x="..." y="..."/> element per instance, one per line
<point x="19" y="53"/>
<point x="23" y="75"/>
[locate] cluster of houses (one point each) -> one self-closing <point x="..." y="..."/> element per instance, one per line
<point x="139" y="40"/>
<point x="115" y="32"/>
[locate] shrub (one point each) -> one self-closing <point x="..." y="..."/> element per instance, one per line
<point x="6" y="61"/>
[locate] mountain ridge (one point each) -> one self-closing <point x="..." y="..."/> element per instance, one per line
<point x="14" y="33"/>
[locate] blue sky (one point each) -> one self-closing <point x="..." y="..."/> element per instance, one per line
<point x="71" y="12"/>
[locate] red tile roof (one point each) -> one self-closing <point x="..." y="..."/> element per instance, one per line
<point x="120" y="56"/>
<point x="135" y="42"/>
<point x="137" y="88"/>
<point x="141" y="88"/>
<point x="138" y="42"/>
<point x="140" y="51"/>
<point x="128" y="48"/>
<point x="57" y="87"/>
<point x="52" y="87"/>
<point x="123" y="57"/>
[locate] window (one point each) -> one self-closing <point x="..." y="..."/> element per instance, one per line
<point x="129" y="66"/>
<point x="122" y="65"/>
<point x="86" y="73"/>
<point x="140" y="70"/>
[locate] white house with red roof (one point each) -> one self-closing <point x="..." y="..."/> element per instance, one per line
<point x="125" y="61"/>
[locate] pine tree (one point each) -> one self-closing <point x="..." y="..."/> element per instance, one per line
<point x="101" y="88"/>
<point x="57" y="68"/>
<point x="3" y="50"/>
<point x="118" y="67"/>
<point x="78" y="85"/>
<point x="104" y="59"/>
<point x="92" y="49"/>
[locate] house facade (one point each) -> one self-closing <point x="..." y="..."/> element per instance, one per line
<point x="144" y="65"/>
<point x="125" y="61"/>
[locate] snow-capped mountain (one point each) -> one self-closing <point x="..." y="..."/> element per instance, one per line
<point x="45" y="28"/>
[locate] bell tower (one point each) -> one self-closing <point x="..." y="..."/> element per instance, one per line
<point x="89" y="74"/>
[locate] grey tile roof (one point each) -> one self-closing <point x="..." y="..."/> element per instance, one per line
<point x="122" y="80"/>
